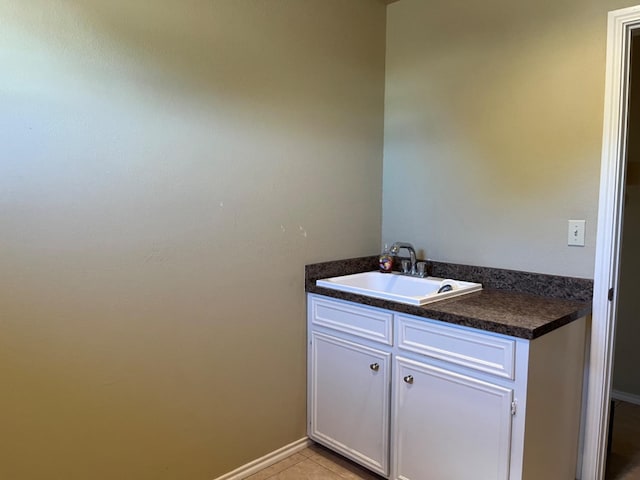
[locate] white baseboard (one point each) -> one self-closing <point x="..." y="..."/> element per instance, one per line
<point x="625" y="397"/>
<point x="266" y="461"/>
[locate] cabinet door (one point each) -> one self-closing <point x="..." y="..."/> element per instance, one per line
<point x="449" y="426"/>
<point x="349" y="399"/>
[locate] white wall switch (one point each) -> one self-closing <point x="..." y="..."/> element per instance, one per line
<point x="576" y="233"/>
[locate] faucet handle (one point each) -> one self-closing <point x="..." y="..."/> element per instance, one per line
<point x="421" y="269"/>
<point x="406" y="266"/>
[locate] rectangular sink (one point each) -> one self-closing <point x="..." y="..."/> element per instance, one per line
<point x="398" y="287"/>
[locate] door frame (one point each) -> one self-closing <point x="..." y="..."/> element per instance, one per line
<point x="621" y="24"/>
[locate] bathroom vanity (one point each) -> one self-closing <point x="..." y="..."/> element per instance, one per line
<point x="482" y="386"/>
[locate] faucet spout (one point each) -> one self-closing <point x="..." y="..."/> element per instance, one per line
<point x="395" y="249"/>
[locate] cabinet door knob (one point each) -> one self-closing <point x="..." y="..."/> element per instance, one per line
<point x="375" y="367"/>
<point x="408" y="379"/>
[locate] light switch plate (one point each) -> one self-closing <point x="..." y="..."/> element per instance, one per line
<point x="576" y="233"/>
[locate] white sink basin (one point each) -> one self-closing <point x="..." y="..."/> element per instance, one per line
<point x="398" y="288"/>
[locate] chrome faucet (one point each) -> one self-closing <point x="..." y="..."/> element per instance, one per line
<point x="395" y="248"/>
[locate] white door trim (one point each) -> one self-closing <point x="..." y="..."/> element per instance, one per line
<point x="621" y="23"/>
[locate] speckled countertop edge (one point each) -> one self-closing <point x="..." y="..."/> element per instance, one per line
<point x="519" y="304"/>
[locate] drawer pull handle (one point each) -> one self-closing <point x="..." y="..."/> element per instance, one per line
<point x="409" y="379"/>
<point x="375" y="367"/>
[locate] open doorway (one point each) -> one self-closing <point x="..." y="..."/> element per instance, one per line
<point x="621" y="28"/>
<point x="623" y="457"/>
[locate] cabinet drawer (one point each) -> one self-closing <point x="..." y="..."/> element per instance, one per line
<point x="364" y="322"/>
<point x="478" y="351"/>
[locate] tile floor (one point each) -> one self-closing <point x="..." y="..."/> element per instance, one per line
<point x="623" y="462"/>
<point x="318" y="463"/>
<point x="314" y="463"/>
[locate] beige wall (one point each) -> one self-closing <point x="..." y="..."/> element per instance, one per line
<point x="168" y="167"/>
<point x="493" y="129"/>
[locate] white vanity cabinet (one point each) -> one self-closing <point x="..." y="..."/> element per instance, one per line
<point x="445" y="401"/>
<point x="453" y="402"/>
<point x="350" y="380"/>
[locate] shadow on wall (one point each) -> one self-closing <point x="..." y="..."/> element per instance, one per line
<point x="218" y="49"/>
<point x="510" y="85"/>
<point x="161" y="159"/>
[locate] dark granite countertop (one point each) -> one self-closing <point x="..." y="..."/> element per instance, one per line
<point x="519" y="304"/>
